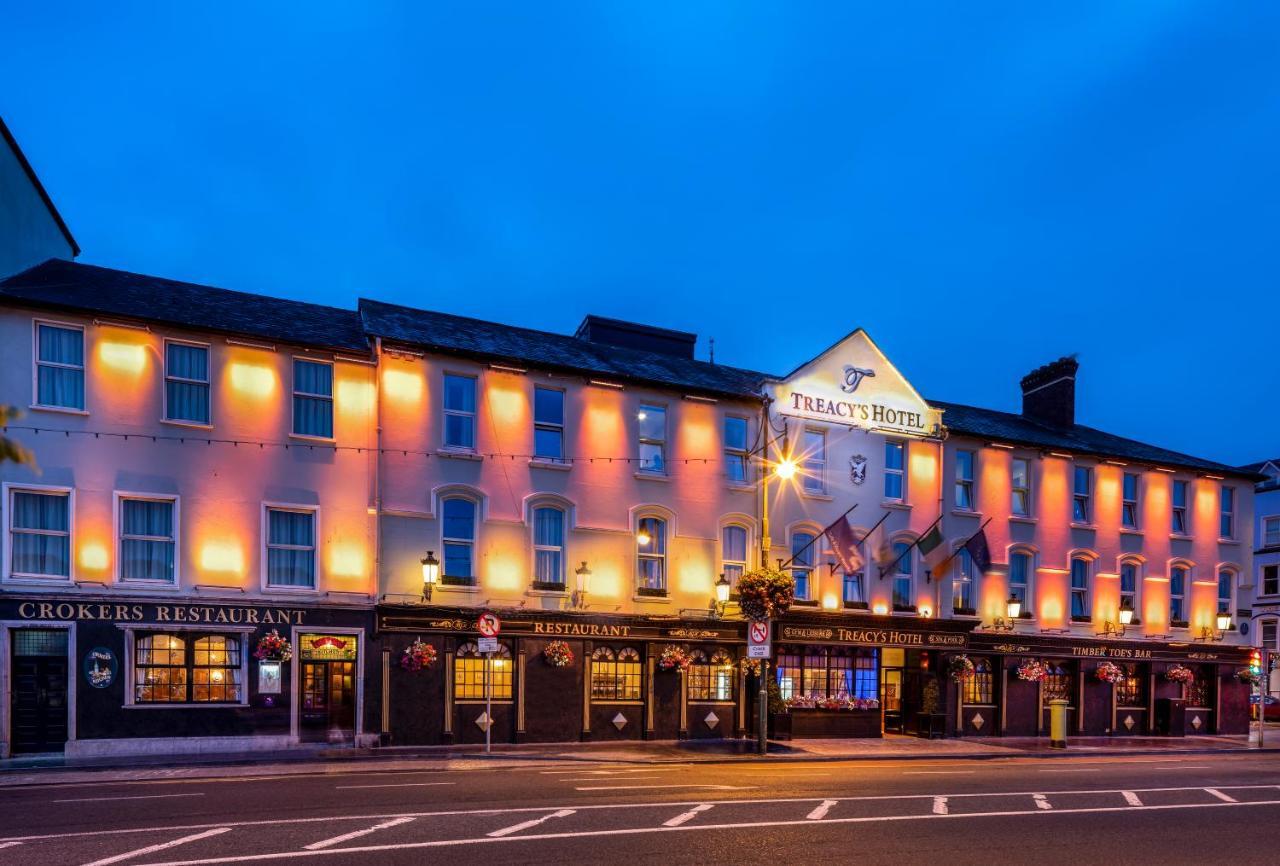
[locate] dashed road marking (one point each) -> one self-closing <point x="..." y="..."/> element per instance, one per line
<point x="354" y="834"/>
<point x="684" y="817"/>
<point x="820" y="811"/>
<point x="393" y="785"/>
<point x="1041" y="801"/>
<point x="938" y="772"/>
<point x="940" y="806"/>
<point x="525" y="825"/>
<point x="641" y="787"/>
<point x="152" y="849"/>
<point x="1221" y="796"/>
<point x="114" y="799"/>
<point x="1131" y="798"/>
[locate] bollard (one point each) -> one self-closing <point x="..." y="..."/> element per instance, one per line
<point x="1057" y="724"/>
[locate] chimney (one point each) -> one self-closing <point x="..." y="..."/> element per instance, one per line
<point x="632" y="335"/>
<point x="1049" y="393"/>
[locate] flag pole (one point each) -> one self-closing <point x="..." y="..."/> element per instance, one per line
<point x="962" y="544"/>
<point x="783" y="565"/>
<point x="898" y="558"/>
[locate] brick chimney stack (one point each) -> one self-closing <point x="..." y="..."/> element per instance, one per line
<point x="1049" y="393"/>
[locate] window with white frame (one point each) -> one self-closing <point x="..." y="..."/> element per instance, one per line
<point x="548" y="423"/>
<point x="1081" y="492"/>
<point x="291" y="548"/>
<point x="962" y="583"/>
<point x="186" y="382"/>
<point x="1179" y="576"/>
<point x="1268" y="634"/>
<point x="458" y="540"/>
<point x="459" y="412"/>
<point x="814" y="464"/>
<point x="733" y="552"/>
<point x="312" y="398"/>
<point x="59" y="366"/>
<point x="1178" y="524"/>
<point x="187" y="668"/>
<point x="735" y="449"/>
<point x="1129" y="501"/>
<point x="1271" y="531"/>
<point x="964" y="480"/>
<point x="40" y="533"/>
<point x="895" y="461"/>
<point x="653" y="438"/>
<point x="148" y="538"/>
<point x="1130" y="575"/>
<point x="804" y="556"/>
<point x="855" y="584"/>
<point x="651" y="556"/>
<point x="903" y="582"/>
<point x="548" y="547"/>
<point x="1271" y="580"/>
<point x="1226" y="587"/>
<point x="1020" y="477"/>
<point x="1081" y="572"/>
<point x="1226" y="512"/>
<point x="1020" y="564"/>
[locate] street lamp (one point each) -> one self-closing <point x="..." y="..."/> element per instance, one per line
<point x="1110" y="629"/>
<point x="785" y="469"/>
<point x="430" y="574"/>
<point x="1223" y="623"/>
<point x="583" y="576"/>
<point x="722" y="595"/>
<point x="1012" y="609"/>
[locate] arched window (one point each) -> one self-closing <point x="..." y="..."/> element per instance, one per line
<point x="1021" y="568"/>
<point x="733" y="552"/>
<point x="1130" y="580"/>
<point x="1226" y="588"/>
<point x="962" y="583"/>
<point x="615" y="675"/>
<point x="978" y="687"/>
<point x="804" y="554"/>
<point x="1179" y="579"/>
<point x="711" y="677"/>
<point x="1131" y="692"/>
<point x="1057" y="685"/>
<point x="651" y="556"/>
<point x="458" y="540"/>
<point x="548" y="547"/>
<point x="473" y="674"/>
<point x="1081" y="583"/>
<point x="903" y="585"/>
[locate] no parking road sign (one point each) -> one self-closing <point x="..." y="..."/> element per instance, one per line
<point x="488" y="624"/>
<point x="758" y="635"/>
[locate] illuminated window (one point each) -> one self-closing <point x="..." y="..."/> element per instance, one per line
<point x="215" y="669"/>
<point x="548" y="424"/>
<point x="1082" y="485"/>
<point x="1020" y="578"/>
<point x="167" y="670"/>
<point x="824" y="672"/>
<point x="903" y="584"/>
<point x="186" y="382"/>
<point x="1129" y="506"/>
<point x="1178" y="576"/>
<point x="1226" y="583"/>
<point x="615" y="676"/>
<point x="548" y="547"/>
<point x="814" y="466"/>
<point x="458" y="538"/>
<point x="735" y="449"/>
<point x="39" y="533"/>
<point x="59" y="367"/>
<point x="653" y="439"/>
<point x="1227" y="512"/>
<point x="1057" y="684"/>
<point x="651" y="556"/>
<point x="1129" y="578"/>
<point x="459" y="412"/>
<point x="788" y="675"/>
<point x="733" y="552"/>
<point x="814" y="676"/>
<point x="312" y="398"/>
<point x="711" y="678"/>
<point x="895" y="461"/>
<point x="978" y="687"/>
<point x="1198" y="691"/>
<point x="1020" y="478"/>
<point x="477" y="676"/>
<point x="148" y="539"/>
<point x="964" y="480"/>
<point x="291" y="548"/>
<point x="804" y="554"/>
<point x="1081" y="571"/>
<point x="962" y="583"/>
<point x="1179" y="522"/>
<point x="1131" y="692"/>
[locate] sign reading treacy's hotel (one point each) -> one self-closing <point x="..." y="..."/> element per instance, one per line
<point x="853" y="383"/>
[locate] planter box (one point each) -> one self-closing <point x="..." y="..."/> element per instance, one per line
<point x="931" y="726"/>
<point x="811" y="724"/>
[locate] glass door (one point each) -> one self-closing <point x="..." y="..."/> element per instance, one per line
<point x="891" y="698"/>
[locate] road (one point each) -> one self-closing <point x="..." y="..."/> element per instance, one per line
<point x="1188" y="809"/>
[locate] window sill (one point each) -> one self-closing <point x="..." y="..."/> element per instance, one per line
<point x="456" y="587"/>
<point x="1083" y="620"/>
<point x="804" y="602"/>
<point x="740" y="488"/>
<point x="59" y="410"/>
<point x="816" y="497"/>
<point x="1179" y="536"/>
<point x="39" y="580"/>
<point x="458" y="454"/>
<point x="189" y="705"/>
<point x="553" y="465"/>
<point x="1129" y="530"/>
<point x="652" y="476"/>
<point x="856" y="605"/>
<point x="652" y="599"/>
<point x="1090" y="527"/>
<point x="291" y="590"/>
<point x="547" y="593"/>
<point x="316" y="440"/>
<point x="895" y="505"/>
<point x="1179" y="625"/>
<point x="1018" y="518"/>
<point x="965" y="512"/>
<point x="1228" y="541"/>
<point x="190" y="425"/>
<point x="147" y="585"/>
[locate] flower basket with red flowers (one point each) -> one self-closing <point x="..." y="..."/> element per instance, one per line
<point x="273" y="648"/>
<point x="1249" y="676"/>
<point x="1109" y="672"/>
<point x="960" y="668"/>
<point x="674" y="658"/>
<point x="418" y="656"/>
<point x="1179" y="674"/>
<point x="764" y="593"/>
<point x="1032" y="670"/>
<point x="557" y="654"/>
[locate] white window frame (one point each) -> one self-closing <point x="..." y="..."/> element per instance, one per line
<point x="898" y="574"/>
<point x="734" y="454"/>
<point x="962" y="577"/>
<point x="7" y="489"/>
<point x="1175" y="510"/>
<point x="1275" y="519"/>
<point x="1227" y="514"/>
<point x="1233" y="575"/>
<point x="664" y="558"/>
<point x="36" y="363"/>
<point x="118" y="498"/>
<point x="474" y="415"/>
<point x="966" y="484"/>
<point x="562" y="549"/>
<point x="1262" y="633"/>
<point x="1014" y="490"/>
<point x="1134" y="503"/>
<point x="1183" y="596"/>
<point x="473" y="542"/>
<point x="1089" y="575"/>
<point x="744" y="564"/>
<point x="641" y="440"/>
<point x="547" y="425"/>
<point x="1139" y="567"/>
<point x="1028" y="588"/>
<point x="814" y="468"/>
<point x="1262" y="578"/>
<point x="314" y="511"/>
<point x="1086" y="497"/>
<point x="901" y="473"/>
<point x="815" y="550"/>
<point x="294" y="393"/>
<point x="208" y="383"/>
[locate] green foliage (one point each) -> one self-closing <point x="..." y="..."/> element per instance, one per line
<point x="765" y="593"/>
<point x="10" y="451"/>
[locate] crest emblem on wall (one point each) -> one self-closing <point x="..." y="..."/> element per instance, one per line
<point x="857" y="469"/>
<point x="853" y="377"/>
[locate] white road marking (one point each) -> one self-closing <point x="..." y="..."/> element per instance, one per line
<point x="639" y="787"/>
<point x="355" y="834"/>
<point x="9" y="844"/>
<point x="114" y="799"/>
<point x="393" y="785"/>
<point x="940" y="806"/>
<point x="1074" y="770"/>
<point x="152" y="849"/>
<point x="938" y="772"/>
<point x="1131" y="798"/>
<point x="820" y="811"/>
<point x="1221" y="796"/>
<point x="525" y="825"/>
<point x="1185" y="767"/>
<point x="563" y="771"/>
<point x="1041" y="802"/>
<point x="595" y="779"/>
<point x="686" y="816"/>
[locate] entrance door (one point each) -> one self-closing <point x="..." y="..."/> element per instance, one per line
<point x="38" y="720"/>
<point x="328" y="710"/>
<point x="891" y="698"/>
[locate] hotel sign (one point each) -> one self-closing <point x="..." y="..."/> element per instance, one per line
<point x="873" y="637"/>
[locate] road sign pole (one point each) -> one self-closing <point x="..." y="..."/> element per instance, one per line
<point x="762" y="741"/>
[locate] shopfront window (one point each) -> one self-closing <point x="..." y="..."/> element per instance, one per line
<point x="173" y="669"/>
<point x="470" y="674"/>
<point x="978" y="687"/>
<point x="711" y="677"/>
<point x="829" y="673"/>
<point x="1131" y="692"/>
<point x="615" y="674"/>
<point x="1198" y="692"/>
<point x="789" y="668"/>
<point x="1057" y="685"/>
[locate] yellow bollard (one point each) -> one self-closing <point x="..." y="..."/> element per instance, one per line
<point x="1057" y="724"/>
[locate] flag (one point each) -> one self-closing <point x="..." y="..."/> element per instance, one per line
<point x="932" y="548"/>
<point x="879" y="547"/>
<point x="844" y="541"/>
<point x="979" y="552"/>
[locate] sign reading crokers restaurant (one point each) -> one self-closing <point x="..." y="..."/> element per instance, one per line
<point x="873" y="636"/>
<point x="53" y="610"/>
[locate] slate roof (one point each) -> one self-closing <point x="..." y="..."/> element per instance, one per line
<point x="495" y="342"/>
<point x="61" y="285"/>
<point x="1015" y="429"/>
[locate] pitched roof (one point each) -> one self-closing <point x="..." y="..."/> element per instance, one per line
<point x="1261" y="465"/>
<point x="1016" y="429"/>
<point x="39" y="187"/>
<point x="491" y="341"/>
<point x="71" y="286"/>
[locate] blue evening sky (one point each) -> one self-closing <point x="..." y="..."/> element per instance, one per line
<point x="983" y="187"/>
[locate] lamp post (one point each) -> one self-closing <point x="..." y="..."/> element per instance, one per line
<point x="722" y="596"/>
<point x="785" y="470"/>
<point x="430" y="574"/>
<point x="582" y="574"/>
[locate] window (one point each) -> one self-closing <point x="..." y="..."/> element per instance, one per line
<point x="548" y="547"/>
<point x="1271" y="580"/>
<point x="59" y="367"/>
<point x="1131" y="692"/>
<point x="855" y="587"/>
<point x="476" y="677"/>
<point x="903" y="588"/>
<point x="735" y="449"/>
<point x="964" y="480"/>
<point x="789" y="668"/>
<point x="1268" y="634"/>
<point x="1179" y="524"/>
<point x="978" y="687"/>
<point x="894" y="476"/>
<point x="1227" y="512"/>
<point x="291" y="548"/>
<point x="1020" y="578"/>
<point x="148" y="539"/>
<point x="711" y="679"/>
<point x="1081" y="486"/>
<point x="814" y="468"/>
<point x="1057" y="684"/>
<point x="1271" y="532"/>
<point x="167" y="671"/>
<point x="651" y="556"/>
<point x="733" y="552"/>
<point x="459" y="412"/>
<point x="1020" y="477"/>
<point x="803" y="556"/>
<point x="548" y="424"/>
<point x="1129" y="505"/>
<point x="1080" y="573"/>
<point x="1226" y="581"/>
<point x="39" y="533"/>
<point x="653" y="439"/>
<point x="866" y="683"/>
<point x="1129" y="586"/>
<point x="1177" y="595"/>
<point x="186" y="382"/>
<point x="312" y="398"/>
<point x="962" y="583"/>
<point x="615" y="676"/>
<point x="458" y="540"/>
<point x="1196" y="692"/>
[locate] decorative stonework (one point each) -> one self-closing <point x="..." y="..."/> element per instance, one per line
<point x="1196" y="723"/>
<point x="619" y="721"/>
<point x="484" y="722"/>
<point x="1129" y="722"/>
<point x="978" y="721"/>
<point x="712" y="720"/>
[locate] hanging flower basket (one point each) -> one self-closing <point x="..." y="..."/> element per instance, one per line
<point x="1109" y="672"/>
<point x="960" y="668"/>
<point x="273" y="648"/>
<point x="674" y="658"/>
<point x="764" y="593"/>
<point x="418" y="656"/>
<point x="557" y="654"/>
<point x="1179" y="674"/>
<point x="1249" y="676"/>
<point x="1032" y="670"/>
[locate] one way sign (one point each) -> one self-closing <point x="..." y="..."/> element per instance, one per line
<point x="758" y="634"/>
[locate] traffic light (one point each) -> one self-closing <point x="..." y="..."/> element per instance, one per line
<point x="1255" y="662"/>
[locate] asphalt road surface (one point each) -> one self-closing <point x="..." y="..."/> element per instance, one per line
<point x="1188" y="809"/>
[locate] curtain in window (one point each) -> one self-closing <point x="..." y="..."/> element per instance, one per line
<point x="313" y="416"/>
<point x="187" y="400"/>
<point x="459" y="532"/>
<point x="548" y="538"/>
<point x="146" y="546"/>
<point x="733" y="554"/>
<point x="35" y="552"/>
<point x="292" y="563"/>
<point x="61" y="386"/>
